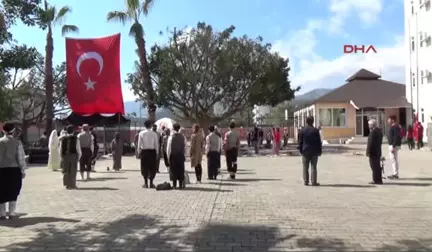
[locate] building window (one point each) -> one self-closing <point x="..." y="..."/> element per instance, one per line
<point x="413" y="81"/>
<point x="412" y="9"/>
<point x="422" y="115"/>
<point x="412" y="45"/>
<point x="332" y="117"/>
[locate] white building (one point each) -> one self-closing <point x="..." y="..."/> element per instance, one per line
<point x="418" y="48"/>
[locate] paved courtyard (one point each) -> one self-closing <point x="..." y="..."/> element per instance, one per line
<point x="266" y="209"/>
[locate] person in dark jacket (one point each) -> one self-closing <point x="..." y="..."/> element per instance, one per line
<point x="310" y="147"/>
<point x="394" y="141"/>
<point x="255" y="140"/>
<point x="374" y="152"/>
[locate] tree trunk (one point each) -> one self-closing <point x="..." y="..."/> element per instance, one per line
<point x="24" y="132"/>
<point x="49" y="89"/>
<point x="145" y="73"/>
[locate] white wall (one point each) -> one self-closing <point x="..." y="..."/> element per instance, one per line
<point x="418" y="20"/>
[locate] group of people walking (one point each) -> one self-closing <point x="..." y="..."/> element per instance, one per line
<point x="150" y="146"/>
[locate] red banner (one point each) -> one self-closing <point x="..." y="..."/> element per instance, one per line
<point x="93" y="75"/>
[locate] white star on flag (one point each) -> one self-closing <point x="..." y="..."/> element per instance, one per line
<point x="90" y="84"/>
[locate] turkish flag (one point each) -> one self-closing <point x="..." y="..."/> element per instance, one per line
<point x="93" y="75"/>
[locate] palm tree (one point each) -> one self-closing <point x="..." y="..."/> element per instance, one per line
<point x="2" y="22"/>
<point x="134" y="10"/>
<point x="50" y="16"/>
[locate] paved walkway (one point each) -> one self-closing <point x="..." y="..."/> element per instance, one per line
<point x="266" y="209"/>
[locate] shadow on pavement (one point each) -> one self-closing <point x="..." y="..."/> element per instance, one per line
<point x="144" y="233"/>
<point x="418" y="178"/>
<point x="223" y="183"/>
<point x="320" y="244"/>
<point x="251" y="180"/>
<point x="204" y="189"/>
<point x="125" y="170"/>
<point x="407" y="184"/>
<point x="107" y="178"/>
<point x="410" y="245"/>
<point x="30" y="221"/>
<point x="346" y="185"/>
<point x="110" y="172"/>
<point x="96" y="189"/>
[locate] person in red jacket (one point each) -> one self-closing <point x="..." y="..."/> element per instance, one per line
<point x="410" y="137"/>
<point x="419" y="139"/>
<point x="276" y="141"/>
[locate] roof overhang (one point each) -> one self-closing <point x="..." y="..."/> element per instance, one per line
<point x="353" y="104"/>
<point x="390" y="107"/>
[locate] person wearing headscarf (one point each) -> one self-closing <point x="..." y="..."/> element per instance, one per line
<point x="117" y="151"/>
<point x="63" y="131"/>
<point x="197" y="151"/>
<point x="70" y="153"/>
<point x="164" y="147"/>
<point x="54" y="154"/>
<point x="12" y="171"/>
<point x="86" y="142"/>
<point x="176" y="150"/>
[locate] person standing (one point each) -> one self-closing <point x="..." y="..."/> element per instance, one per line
<point x="12" y="171"/>
<point x="213" y="149"/>
<point x="70" y="153"/>
<point x="43" y="140"/>
<point x="86" y="142"/>
<point x="54" y="154"/>
<point x="197" y="151"/>
<point x="310" y="147"/>
<point x="137" y="151"/>
<point x="276" y="141"/>
<point x="95" y="150"/>
<point x="256" y="140"/>
<point x="216" y="131"/>
<point x="164" y="147"/>
<point x="410" y="137"/>
<point x="160" y="145"/>
<point x="117" y="151"/>
<point x="176" y="150"/>
<point x="394" y="141"/>
<point x="148" y="146"/>
<point x="419" y="136"/>
<point x="374" y="152"/>
<point x="232" y="146"/>
<point x="260" y="136"/>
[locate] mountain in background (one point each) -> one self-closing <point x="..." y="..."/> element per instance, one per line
<point x="312" y="95"/>
<point x="134" y="107"/>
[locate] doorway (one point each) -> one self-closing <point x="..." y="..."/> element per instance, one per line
<point x="365" y="126"/>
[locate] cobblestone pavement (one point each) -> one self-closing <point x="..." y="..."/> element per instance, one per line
<point x="266" y="209"/>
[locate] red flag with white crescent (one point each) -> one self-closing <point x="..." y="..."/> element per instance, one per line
<point x="93" y="75"/>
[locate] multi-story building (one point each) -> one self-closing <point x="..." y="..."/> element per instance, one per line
<point x="418" y="49"/>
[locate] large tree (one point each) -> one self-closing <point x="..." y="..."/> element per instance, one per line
<point x="49" y="16"/>
<point x="206" y="76"/>
<point x="24" y="88"/>
<point x="13" y="56"/>
<point x="135" y="9"/>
